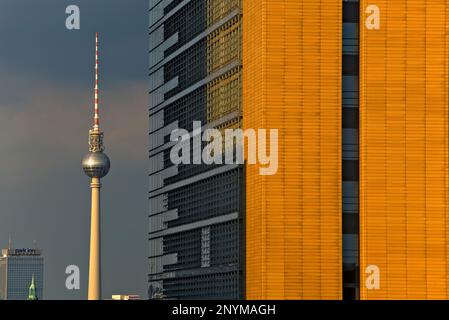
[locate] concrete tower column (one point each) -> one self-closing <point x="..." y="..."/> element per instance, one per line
<point x="95" y="243"/>
<point x="96" y="165"/>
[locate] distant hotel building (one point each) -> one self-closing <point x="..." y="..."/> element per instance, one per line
<point x="17" y="269"/>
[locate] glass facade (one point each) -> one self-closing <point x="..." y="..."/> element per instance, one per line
<point x="362" y="115"/>
<point x="350" y="151"/>
<point x="16" y="272"/>
<point x="196" y="210"/>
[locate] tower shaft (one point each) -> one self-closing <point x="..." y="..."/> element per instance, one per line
<point x="96" y="165"/>
<point x="95" y="243"/>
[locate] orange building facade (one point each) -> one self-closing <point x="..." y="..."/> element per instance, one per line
<point x="358" y="91"/>
<point x="404" y="149"/>
<point x="292" y="82"/>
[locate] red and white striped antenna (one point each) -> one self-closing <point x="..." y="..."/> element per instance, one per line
<point x="97" y="113"/>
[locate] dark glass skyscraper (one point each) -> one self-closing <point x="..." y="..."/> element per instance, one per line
<point x="195" y="212"/>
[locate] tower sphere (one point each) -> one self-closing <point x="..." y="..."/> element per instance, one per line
<point x="96" y="164"/>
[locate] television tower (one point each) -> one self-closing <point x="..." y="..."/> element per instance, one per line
<point x="96" y="165"/>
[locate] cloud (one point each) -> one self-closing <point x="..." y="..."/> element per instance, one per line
<point x="35" y="40"/>
<point x="46" y="105"/>
<point x="47" y="128"/>
<point x="44" y="194"/>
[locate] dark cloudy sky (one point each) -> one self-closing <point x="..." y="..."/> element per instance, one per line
<point x="46" y="94"/>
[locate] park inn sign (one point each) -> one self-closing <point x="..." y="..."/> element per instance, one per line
<point x="21" y="252"/>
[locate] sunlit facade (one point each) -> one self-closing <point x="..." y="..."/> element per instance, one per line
<point x="292" y="82"/>
<point x="358" y="91"/>
<point x="404" y="228"/>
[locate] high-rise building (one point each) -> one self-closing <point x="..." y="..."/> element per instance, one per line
<point x="18" y="268"/>
<point x="358" y="91"/>
<point x="196" y="210"/>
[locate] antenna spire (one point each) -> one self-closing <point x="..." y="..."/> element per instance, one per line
<point x="95" y="134"/>
<point x="97" y="113"/>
